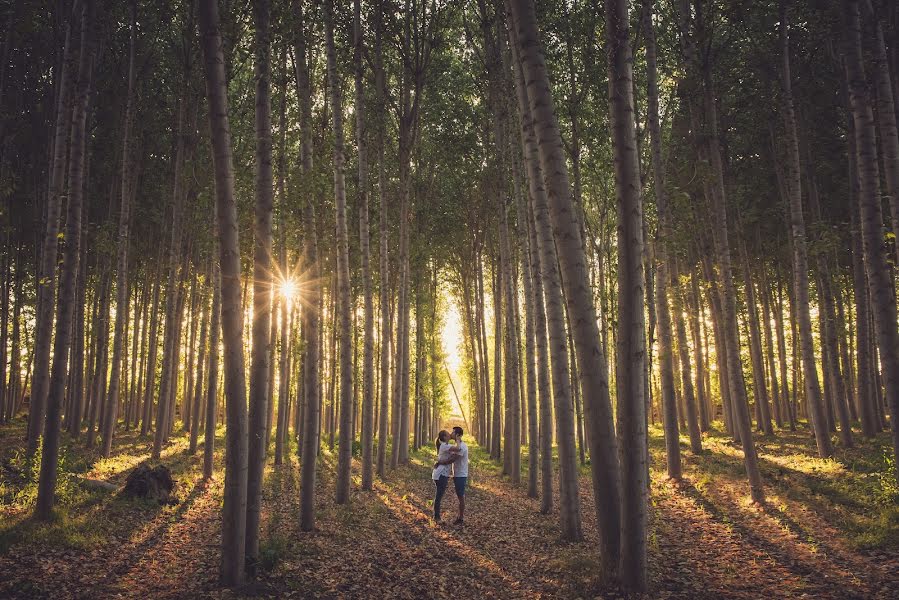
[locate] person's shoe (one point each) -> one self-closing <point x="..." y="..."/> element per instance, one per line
<point x="458" y="522"/>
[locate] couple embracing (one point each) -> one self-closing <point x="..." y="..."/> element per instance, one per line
<point x="452" y="461"/>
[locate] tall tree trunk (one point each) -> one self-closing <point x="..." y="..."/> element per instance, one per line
<point x="150" y="381"/>
<point x="234" y="510"/>
<point x="776" y="398"/>
<point x="384" y="266"/>
<point x="496" y="424"/>
<point x="368" y="364"/>
<point x="343" y="318"/>
<point x="101" y="342"/>
<point x="121" y="334"/>
<point x="46" y="495"/>
<point x="729" y="326"/>
<point x="760" y="387"/>
<point x="46" y="284"/>
<point x="631" y="351"/>
<point x="523" y="39"/>
<point x="170" y="340"/>
<point x="882" y="297"/>
<point x="886" y="117"/>
<point x="800" y="257"/>
<point x="260" y="369"/>
<point x="201" y="360"/>
<point x="865" y="367"/>
<point x="699" y="355"/>
<point x="662" y="278"/>
<point x="213" y="383"/>
<point x="311" y="422"/>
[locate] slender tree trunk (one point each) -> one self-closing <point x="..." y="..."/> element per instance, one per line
<point x="882" y="297"/>
<point x="496" y="422"/>
<point x="662" y="278"/>
<point x="699" y="356"/>
<point x="234" y="511"/>
<point x="631" y="350"/>
<point x="212" y="384"/>
<point x="865" y="368"/>
<point x="46" y="495"/>
<point x="172" y="291"/>
<point x="523" y="39"/>
<point x="311" y="421"/>
<point x="260" y="369"/>
<point x="888" y="134"/>
<point x="760" y="387"/>
<point x="121" y="333"/>
<point x="800" y="258"/>
<point x="102" y="345"/>
<point x="46" y="284"/>
<point x="150" y="381"/>
<point x="369" y="327"/>
<point x="384" y="267"/>
<point x="343" y="318"/>
<point x="198" y="387"/>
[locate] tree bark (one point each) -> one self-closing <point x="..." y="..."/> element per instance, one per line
<point x="46" y="495"/>
<point x="344" y="309"/>
<point x="882" y="297"/>
<point x="260" y="369"/>
<point x="212" y="384"/>
<point x="662" y="278"/>
<point x="234" y="511"/>
<point x="553" y="203"/>
<point x="124" y="241"/>
<point x="800" y="257"/>
<point x="46" y="284"/>
<point x="631" y="351"/>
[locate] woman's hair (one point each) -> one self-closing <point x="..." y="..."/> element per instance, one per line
<point x="441" y="437"/>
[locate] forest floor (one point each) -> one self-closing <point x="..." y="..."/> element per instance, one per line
<point x="830" y="529"/>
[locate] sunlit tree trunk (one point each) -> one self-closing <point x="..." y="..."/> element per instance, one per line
<point x="172" y="289"/>
<point x="343" y="318"/>
<point x="699" y="355"/>
<point x="197" y="395"/>
<point x="121" y="333"/>
<point x="782" y="359"/>
<point x="662" y="277"/>
<point x="311" y="418"/>
<point x="865" y="369"/>
<point x="150" y="378"/>
<point x="213" y="379"/>
<point x="384" y="259"/>
<point x="369" y="326"/>
<point x="496" y="424"/>
<point x="234" y="510"/>
<point x="882" y="297"/>
<point x="830" y="348"/>
<point x="729" y="326"/>
<point x="260" y="369"/>
<point x="101" y="345"/>
<point x="760" y="387"/>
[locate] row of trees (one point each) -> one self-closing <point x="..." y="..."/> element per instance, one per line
<point x="506" y="174"/>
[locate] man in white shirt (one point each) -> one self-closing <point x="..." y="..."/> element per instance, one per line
<point x="458" y="458"/>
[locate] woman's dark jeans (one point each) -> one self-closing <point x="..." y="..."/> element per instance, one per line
<point x="441" y="484"/>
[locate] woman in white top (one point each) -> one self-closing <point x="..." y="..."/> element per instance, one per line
<point x="441" y="472"/>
